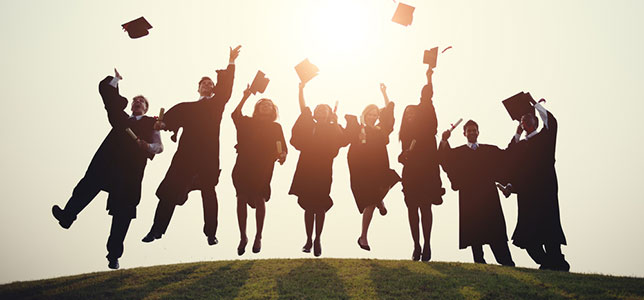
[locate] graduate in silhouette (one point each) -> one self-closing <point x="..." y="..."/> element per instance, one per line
<point x="318" y="137"/>
<point x="195" y="165"/>
<point x="421" y="180"/>
<point x="260" y="142"/>
<point x="117" y="166"/>
<point x="371" y="176"/>
<point x="473" y="169"/>
<point x="534" y="180"/>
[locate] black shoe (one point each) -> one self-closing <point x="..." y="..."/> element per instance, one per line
<point x="427" y="253"/>
<point x="415" y="256"/>
<point x="151" y="236"/>
<point x="212" y="240"/>
<point x="257" y="246"/>
<point x="63" y="220"/>
<point x="113" y="263"/>
<point x="317" y="248"/>
<point x="307" y="246"/>
<point x="241" y="249"/>
<point x="365" y="247"/>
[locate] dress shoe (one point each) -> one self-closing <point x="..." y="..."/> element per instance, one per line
<point x="317" y="248"/>
<point x="365" y="247"/>
<point x="212" y="240"/>
<point x="415" y="256"/>
<point x="151" y="236"/>
<point x="113" y="263"/>
<point x="427" y="253"/>
<point x="63" y="220"/>
<point x="257" y="246"/>
<point x="307" y="246"/>
<point x="241" y="249"/>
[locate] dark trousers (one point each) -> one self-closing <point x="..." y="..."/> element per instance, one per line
<point x="84" y="192"/>
<point x="118" y="230"/>
<point x="500" y="250"/>
<point x="166" y="207"/>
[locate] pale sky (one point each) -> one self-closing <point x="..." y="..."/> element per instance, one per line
<point x="584" y="57"/>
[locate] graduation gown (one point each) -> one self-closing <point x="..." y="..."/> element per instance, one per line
<point x="256" y="156"/>
<point x="473" y="174"/>
<point x="534" y="180"/>
<point x="195" y="165"/>
<point x="371" y="176"/>
<point x="421" y="175"/>
<point x="318" y="145"/>
<point x="119" y="163"/>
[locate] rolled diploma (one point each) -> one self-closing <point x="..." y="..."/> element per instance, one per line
<point x="413" y="144"/>
<point x="161" y="113"/>
<point x="131" y="133"/>
<point x="279" y="147"/>
<point x="456" y="124"/>
<point x="335" y="108"/>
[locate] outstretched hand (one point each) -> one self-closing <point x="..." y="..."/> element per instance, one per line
<point x="247" y="92"/>
<point x="142" y="144"/>
<point x="117" y="75"/>
<point x="234" y="53"/>
<point x="383" y="88"/>
<point x="282" y="158"/>
<point x="446" y="135"/>
<point x="302" y="85"/>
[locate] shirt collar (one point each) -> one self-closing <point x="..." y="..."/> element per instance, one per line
<point x="531" y="135"/>
<point x="202" y="97"/>
<point x="136" y="117"/>
<point x="471" y="145"/>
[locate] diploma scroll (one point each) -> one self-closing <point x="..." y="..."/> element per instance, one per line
<point x="412" y="145"/>
<point x="279" y="147"/>
<point x="161" y="114"/>
<point x="131" y="133"/>
<point x="455" y="124"/>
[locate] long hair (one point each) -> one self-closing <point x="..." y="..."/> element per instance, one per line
<point x="366" y="111"/>
<point x="273" y="116"/>
<point x="406" y="125"/>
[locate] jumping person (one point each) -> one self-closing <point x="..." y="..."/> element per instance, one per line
<point x="260" y="142"/>
<point x="371" y="176"/>
<point x="318" y="137"/>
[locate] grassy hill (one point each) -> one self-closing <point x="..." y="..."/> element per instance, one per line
<point x="328" y="279"/>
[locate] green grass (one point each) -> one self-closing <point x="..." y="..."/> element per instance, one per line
<point x="328" y="279"/>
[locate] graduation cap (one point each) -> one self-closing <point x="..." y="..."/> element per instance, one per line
<point x="259" y="83"/>
<point x="404" y="14"/>
<point x="137" y="28"/>
<point x="306" y="70"/>
<point x="430" y="57"/>
<point x="519" y="105"/>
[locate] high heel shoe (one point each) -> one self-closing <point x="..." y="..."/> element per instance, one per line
<point x="241" y="249"/>
<point x="307" y="247"/>
<point x="415" y="256"/>
<point x="317" y="248"/>
<point x="427" y="253"/>
<point x="365" y="247"/>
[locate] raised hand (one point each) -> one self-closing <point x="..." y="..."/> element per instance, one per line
<point x="247" y="92"/>
<point x="234" y="53"/>
<point x="117" y="75"/>
<point x="383" y="88"/>
<point x="142" y="144"/>
<point x="446" y="135"/>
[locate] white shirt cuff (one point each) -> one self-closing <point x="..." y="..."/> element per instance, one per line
<point x="114" y="82"/>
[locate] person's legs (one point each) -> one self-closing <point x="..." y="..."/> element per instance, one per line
<point x="319" y="225"/>
<point x="120" y="225"/>
<point x="84" y="192"/>
<point x="260" y="215"/>
<point x="241" y="221"/>
<point x="502" y="253"/>
<point x="367" y="215"/>
<point x="555" y="258"/>
<point x="412" y="213"/>
<point x="309" y="218"/>
<point x="537" y="254"/>
<point x="426" y="220"/>
<point x="162" y="217"/>
<point x="210" y="214"/>
<point x="477" y="254"/>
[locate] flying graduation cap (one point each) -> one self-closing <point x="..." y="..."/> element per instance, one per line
<point x="306" y="70"/>
<point x="404" y="14"/>
<point x="519" y="105"/>
<point x="259" y="83"/>
<point x="137" y="28"/>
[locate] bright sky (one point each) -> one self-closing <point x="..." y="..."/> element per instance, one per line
<point x="584" y="57"/>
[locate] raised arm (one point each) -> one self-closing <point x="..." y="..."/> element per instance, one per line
<point x="383" y="89"/>
<point x="238" y="110"/>
<point x="114" y="103"/>
<point x="301" y="97"/>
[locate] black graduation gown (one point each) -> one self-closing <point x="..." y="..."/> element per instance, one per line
<point x="371" y="176"/>
<point x="256" y="156"/>
<point x="534" y="179"/>
<point x="473" y="173"/>
<point x="318" y="145"/>
<point x="195" y="165"/>
<point x="119" y="163"/>
<point x="421" y="175"/>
